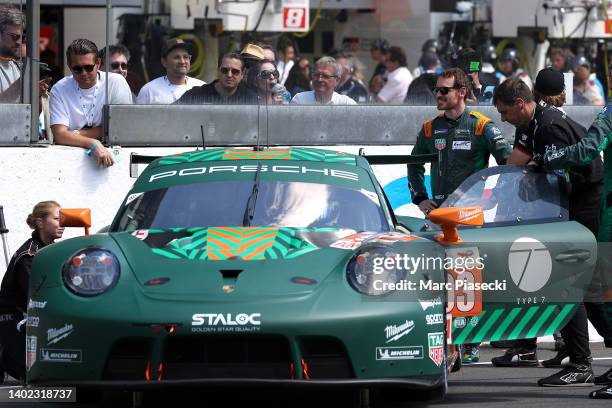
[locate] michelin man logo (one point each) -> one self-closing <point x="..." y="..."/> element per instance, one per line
<point x="530" y="264"/>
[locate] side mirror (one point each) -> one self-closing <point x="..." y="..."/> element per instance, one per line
<point x="76" y="217"/>
<point x="450" y="218"/>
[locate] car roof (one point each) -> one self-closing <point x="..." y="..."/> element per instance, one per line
<point x="292" y="153"/>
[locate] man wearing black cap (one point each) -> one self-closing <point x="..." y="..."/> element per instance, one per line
<point x="543" y="128"/>
<point x="176" y="59"/>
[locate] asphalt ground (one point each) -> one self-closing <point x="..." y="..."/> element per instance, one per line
<point x="478" y="384"/>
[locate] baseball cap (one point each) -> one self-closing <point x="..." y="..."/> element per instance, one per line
<point x="549" y="82"/>
<point x="173" y="43"/>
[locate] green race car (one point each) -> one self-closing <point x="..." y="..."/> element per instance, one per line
<point x="288" y="266"/>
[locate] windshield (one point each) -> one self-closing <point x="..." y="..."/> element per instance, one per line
<point x="512" y="195"/>
<point x="279" y="203"/>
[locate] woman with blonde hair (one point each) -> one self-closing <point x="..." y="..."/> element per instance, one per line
<point x="44" y="220"/>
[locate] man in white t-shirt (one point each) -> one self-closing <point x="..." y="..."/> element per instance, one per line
<point x="77" y="101"/>
<point x="325" y="79"/>
<point x="398" y="79"/>
<point x="176" y="59"/>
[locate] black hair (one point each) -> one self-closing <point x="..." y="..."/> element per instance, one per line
<point x="114" y="49"/>
<point x="81" y="46"/>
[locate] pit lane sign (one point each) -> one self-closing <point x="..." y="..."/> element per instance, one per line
<point x="296" y="16"/>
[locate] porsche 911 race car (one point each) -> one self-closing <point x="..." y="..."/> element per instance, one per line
<point x="288" y="266"/>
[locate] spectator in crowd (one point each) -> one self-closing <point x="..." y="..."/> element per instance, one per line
<point x="325" y="79"/>
<point x="378" y="52"/>
<point x="12" y="38"/>
<point x="487" y="77"/>
<point x="228" y="89"/>
<point x="119" y="59"/>
<point x="542" y="128"/>
<point x="560" y="58"/>
<point x="44" y="220"/>
<point x="299" y="77"/>
<point x="429" y="63"/>
<point x="509" y="67"/>
<point x="77" y="101"/>
<point x="263" y="78"/>
<point x="398" y="78"/>
<point x="251" y="55"/>
<point x="165" y="90"/>
<point x="349" y="84"/>
<point x="586" y="91"/>
<point x="268" y="52"/>
<point x="420" y="91"/>
<point x="286" y="60"/>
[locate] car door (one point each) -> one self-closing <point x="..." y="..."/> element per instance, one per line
<point x="532" y="263"/>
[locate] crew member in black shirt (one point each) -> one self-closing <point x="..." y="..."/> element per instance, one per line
<point x="44" y="220"/>
<point x="228" y="89"/>
<point x="542" y="128"/>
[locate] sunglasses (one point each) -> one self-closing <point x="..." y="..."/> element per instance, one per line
<point x="116" y="65"/>
<point x="77" y="69"/>
<point x="226" y="70"/>
<point x="269" y="74"/>
<point x="444" y="90"/>
<point x="321" y="75"/>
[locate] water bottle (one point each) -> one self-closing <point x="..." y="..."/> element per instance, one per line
<point x="278" y="88"/>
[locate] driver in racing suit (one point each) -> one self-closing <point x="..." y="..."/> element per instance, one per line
<point x="464" y="140"/>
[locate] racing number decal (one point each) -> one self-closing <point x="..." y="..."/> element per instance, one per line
<point x="463" y="297"/>
<point x="294" y="17"/>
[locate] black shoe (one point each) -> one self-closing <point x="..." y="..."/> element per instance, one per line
<point x="503" y="344"/>
<point x="605" y="378"/>
<point x="558" y="361"/>
<point x="604" y="393"/>
<point x="574" y="375"/>
<point x="517" y="357"/>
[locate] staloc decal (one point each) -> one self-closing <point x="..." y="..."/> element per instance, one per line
<point x="251" y="168"/>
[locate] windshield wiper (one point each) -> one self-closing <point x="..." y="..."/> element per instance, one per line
<point x="249" y="212"/>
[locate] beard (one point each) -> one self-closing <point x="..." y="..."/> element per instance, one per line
<point x="8" y="52"/>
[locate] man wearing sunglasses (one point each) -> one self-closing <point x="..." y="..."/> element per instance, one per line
<point x="462" y="138"/>
<point x="228" y="89"/>
<point x="77" y="101"/>
<point x="325" y="79"/>
<point x="176" y="59"/>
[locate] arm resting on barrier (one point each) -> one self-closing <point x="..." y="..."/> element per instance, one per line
<point x="84" y="138"/>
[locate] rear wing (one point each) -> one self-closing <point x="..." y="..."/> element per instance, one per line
<point x="136" y="159"/>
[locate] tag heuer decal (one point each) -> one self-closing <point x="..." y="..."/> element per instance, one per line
<point x="440" y="144"/>
<point x="436" y="347"/>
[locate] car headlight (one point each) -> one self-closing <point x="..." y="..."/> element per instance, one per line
<point x="91" y="272"/>
<point x="368" y="274"/>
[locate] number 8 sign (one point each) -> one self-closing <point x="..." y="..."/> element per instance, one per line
<point x="294" y="18"/>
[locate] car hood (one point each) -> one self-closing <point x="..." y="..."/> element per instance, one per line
<point x="250" y="261"/>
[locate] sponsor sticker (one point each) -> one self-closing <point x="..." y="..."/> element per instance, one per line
<point x="353" y="241"/>
<point x="459" y="322"/>
<point x="399" y="353"/>
<point x="36" y="304"/>
<point x="530" y="264"/>
<point x="132" y="197"/>
<point x="55" y="335"/>
<point x="440" y="131"/>
<point x="462" y="145"/>
<point x="426" y="304"/>
<point x="440" y="144"/>
<point x="141" y="234"/>
<point x="437" y="318"/>
<point x="436" y="347"/>
<point x="226" y="322"/>
<point x="33" y="321"/>
<point x="394" y="332"/>
<point x="61" y="355"/>
<point x="31" y="351"/>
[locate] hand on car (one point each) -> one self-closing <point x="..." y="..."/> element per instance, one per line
<point x="427" y="205"/>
